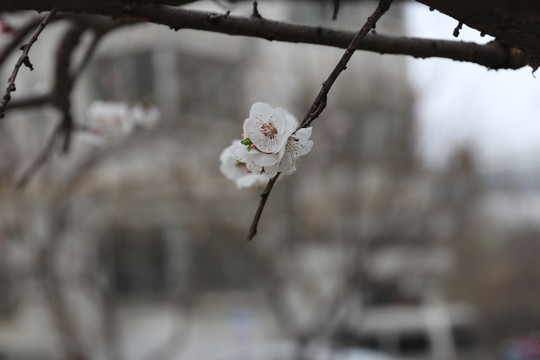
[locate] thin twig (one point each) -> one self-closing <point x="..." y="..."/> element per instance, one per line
<point x="23" y="59"/>
<point x="39" y="160"/>
<point x="336" y="9"/>
<point x="262" y="203"/>
<point x="457" y="29"/>
<point x="319" y="103"/>
<point x="18" y="35"/>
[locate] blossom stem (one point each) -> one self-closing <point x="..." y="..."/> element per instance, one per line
<point x="258" y="213"/>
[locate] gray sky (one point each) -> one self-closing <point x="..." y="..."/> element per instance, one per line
<point x="495" y="112"/>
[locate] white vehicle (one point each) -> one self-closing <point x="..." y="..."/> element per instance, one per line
<point x="440" y="331"/>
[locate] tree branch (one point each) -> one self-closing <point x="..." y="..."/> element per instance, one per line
<point x="31" y="100"/>
<point x="64" y="80"/>
<point x="320" y="101"/>
<point x="159" y="11"/>
<point x="260" y="208"/>
<point x="18" y="36"/>
<point x="39" y="160"/>
<point x="490" y="56"/>
<point x="23" y="59"/>
<point x="80" y="5"/>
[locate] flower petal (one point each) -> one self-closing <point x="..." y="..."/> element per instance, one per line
<point x="271" y="171"/>
<point x="288" y="163"/>
<point x="302" y="147"/>
<point x="253" y="168"/>
<point x="290" y="123"/>
<point x="260" y="109"/>
<point x="262" y="159"/>
<point x="229" y="165"/>
<point x="252" y="180"/>
<point x="265" y="127"/>
<point x="304" y="134"/>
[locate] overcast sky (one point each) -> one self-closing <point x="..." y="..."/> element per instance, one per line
<point x="496" y="112"/>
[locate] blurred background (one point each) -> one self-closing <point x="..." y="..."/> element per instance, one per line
<point x="409" y="232"/>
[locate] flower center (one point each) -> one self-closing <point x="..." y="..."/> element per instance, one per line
<point x="269" y="130"/>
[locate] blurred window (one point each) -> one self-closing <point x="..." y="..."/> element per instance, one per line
<point x="464" y="338"/>
<point x="128" y="78"/>
<point x="210" y="88"/>
<point x="414" y="343"/>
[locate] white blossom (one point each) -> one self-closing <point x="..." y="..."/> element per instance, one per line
<point x="271" y="142"/>
<point x="238" y="172"/>
<point x="298" y="145"/>
<point x="267" y="128"/>
<point x="109" y="120"/>
<point x="266" y="132"/>
<point x="145" y="115"/>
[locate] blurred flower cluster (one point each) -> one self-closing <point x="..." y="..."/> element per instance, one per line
<point x="271" y="144"/>
<point x="109" y="122"/>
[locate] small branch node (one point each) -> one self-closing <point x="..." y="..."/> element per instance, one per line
<point x="27" y="63"/>
<point x="457" y="29"/>
<point x="336" y="9"/>
<point x="256" y="13"/>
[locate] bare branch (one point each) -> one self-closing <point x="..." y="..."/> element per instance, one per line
<point x="18" y="36"/>
<point x="79" y="5"/>
<point x="23" y="59"/>
<point x="320" y="101"/>
<point x="65" y="76"/>
<point x="64" y="80"/>
<point x="260" y="208"/>
<point x="39" y="160"/>
<point x="98" y="25"/>
<point x="493" y="57"/>
<point x="62" y="90"/>
<point x="31" y="100"/>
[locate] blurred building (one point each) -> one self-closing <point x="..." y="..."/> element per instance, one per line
<point x="148" y="235"/>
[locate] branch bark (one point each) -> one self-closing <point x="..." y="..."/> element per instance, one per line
<point x="490" y="56"/>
